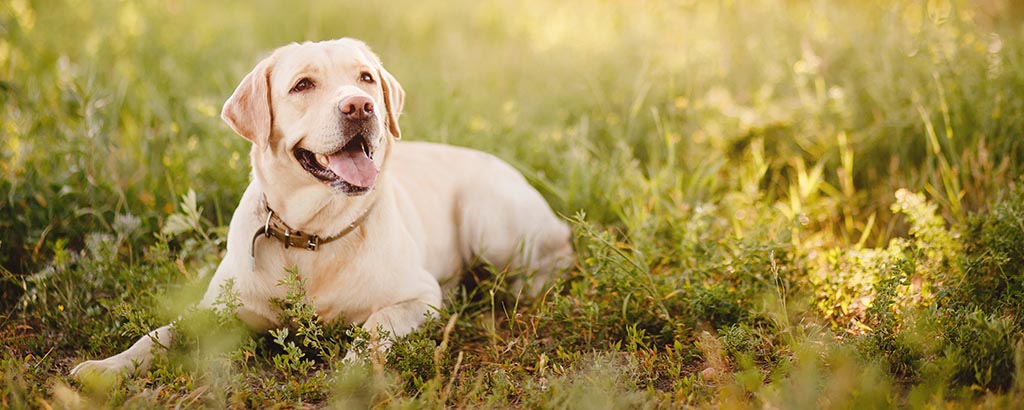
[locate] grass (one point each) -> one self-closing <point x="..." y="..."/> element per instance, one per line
<point x="791" y="204"/>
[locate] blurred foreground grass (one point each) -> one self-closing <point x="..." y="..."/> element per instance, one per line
<point x="802" y="204"/>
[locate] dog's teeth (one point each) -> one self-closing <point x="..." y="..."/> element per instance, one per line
<point x="322" y="159"/>
<point x="366" y="149"/>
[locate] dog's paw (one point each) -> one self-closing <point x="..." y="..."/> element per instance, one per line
<point x="353" y="358"/>
<point x="110" y="366"/>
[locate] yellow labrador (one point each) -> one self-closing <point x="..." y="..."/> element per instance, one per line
<point x="374" y="226"/>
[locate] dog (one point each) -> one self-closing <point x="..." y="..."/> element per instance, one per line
<point x="377" y="228"/>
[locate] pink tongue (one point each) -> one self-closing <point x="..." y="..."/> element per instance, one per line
<point x="354" y="167"/>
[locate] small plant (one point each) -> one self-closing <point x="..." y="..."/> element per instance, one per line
<point x="299" y="314"/>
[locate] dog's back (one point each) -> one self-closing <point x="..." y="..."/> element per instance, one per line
<point x="495" y="215"/>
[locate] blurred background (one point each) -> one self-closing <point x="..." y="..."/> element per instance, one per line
<point x="112" y="107"/>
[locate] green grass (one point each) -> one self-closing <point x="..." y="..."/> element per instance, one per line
<point x="791" y="204"/>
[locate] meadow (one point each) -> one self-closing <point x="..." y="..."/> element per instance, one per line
<point x="775" y="204"/>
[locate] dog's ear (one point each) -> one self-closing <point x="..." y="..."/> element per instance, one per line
<point x="247" y="111"/>
<point x="394" y="99"/>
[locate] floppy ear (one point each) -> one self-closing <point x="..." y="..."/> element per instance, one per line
<point x="247" y="111"/>
<point x="394" y="99"/>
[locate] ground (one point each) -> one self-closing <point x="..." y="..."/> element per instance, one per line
<point x="782" y="204"/>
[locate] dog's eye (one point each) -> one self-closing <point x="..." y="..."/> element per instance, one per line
<point x="366" y="78"/>
<point x="303" y="85"/>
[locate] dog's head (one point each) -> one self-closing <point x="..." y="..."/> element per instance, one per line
<point x="318" y="114"/>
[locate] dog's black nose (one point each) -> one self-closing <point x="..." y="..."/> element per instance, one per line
<point x="356" y="107"/>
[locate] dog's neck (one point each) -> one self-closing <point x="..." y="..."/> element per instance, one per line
<point x="275" y="227"/>
<point x="320" y="213"/>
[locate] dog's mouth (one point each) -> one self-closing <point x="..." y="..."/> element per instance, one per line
<point x="349" y="169"/>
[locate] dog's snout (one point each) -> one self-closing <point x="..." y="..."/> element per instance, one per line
<point x="356" y="107"/>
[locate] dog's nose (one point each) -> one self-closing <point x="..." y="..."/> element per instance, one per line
<point x="356" y="107"/>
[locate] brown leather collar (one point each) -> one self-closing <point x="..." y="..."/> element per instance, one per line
<point x="276" y="228"/>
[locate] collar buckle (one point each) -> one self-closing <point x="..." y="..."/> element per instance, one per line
<point x="266" y="224"/>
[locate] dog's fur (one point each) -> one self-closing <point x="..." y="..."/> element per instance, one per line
<point x="430" y="212"/>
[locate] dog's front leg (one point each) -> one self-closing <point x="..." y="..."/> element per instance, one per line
<point x="398" y="320"/>
<point x="136" y="358"/>
<point x="139" y="355"/>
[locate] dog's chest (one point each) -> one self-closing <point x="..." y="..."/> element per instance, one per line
<point x="341" y="283"/>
